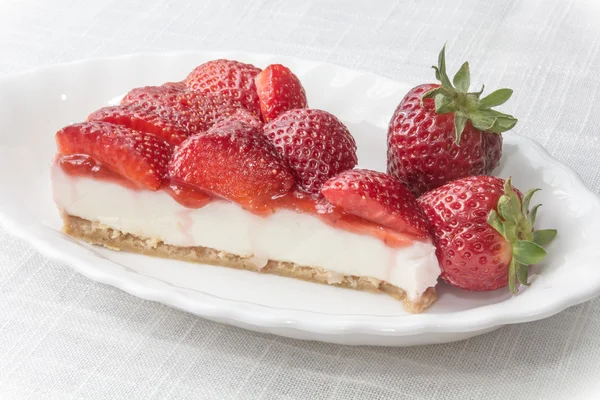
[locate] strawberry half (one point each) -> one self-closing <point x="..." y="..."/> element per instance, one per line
<point x="316" y="145"/>
<point x="233" y="161"/>
<point x="484" y="232"/>
<point x="379" y="198"/>
<point x="201" y="109"/>
<point x="216" y="75"/>
<point x="141" y="158"/>
<point x="441" y="132"/>
<point x="279" y="90"/>
<point x="168" y="94"/>
<point x="244" y="116"/>
<point x="166" y="123"/>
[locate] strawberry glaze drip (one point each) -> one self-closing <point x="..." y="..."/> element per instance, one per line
<point x="84" y="165"/>
<point x="187" y="196"/>
<point x="296" y="200"/>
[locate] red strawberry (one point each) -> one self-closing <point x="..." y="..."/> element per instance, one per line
<point x="231" y="80"/>
<point x="233" y="161"/>
<point x="440" y="132"/>
<point x="379" y="198"/>
<point x="166" y="123"/>
<point x="243" y="116"/>
<point x="168" y="94"/>
<point x="139" y="157"/>
<point x="202" y="109"/>
<point x="279" y="90"/>
<point x="238" y="98"/>
<point x="216" y="75"/>
<point x="315" y="144"/>
<point x="484" y="232"/>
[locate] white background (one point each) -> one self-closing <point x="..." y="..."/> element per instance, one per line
<point x="63" y="336"/>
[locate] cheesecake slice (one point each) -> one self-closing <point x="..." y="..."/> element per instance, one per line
<point x="281" y="198"/>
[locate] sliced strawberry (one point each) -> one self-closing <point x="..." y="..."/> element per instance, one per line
<point x="316" y="145"/>
<point x="233" y="161"/>
<point x="379" y="198"/>
<point x="239" y="98"/>
<point x="216" y="75"/>
<point x="168" y="94"/>
<point x="243" y="116"/>
<point x="166" y="123"/>
<point x="231" y="80"/>
<point x="202" y="110"/>
<point x="139" y="157"/>
<point x="279" y="90"/>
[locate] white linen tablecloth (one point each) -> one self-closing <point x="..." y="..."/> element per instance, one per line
<point x="63" y="336"/>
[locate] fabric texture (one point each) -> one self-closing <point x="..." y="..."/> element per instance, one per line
<point x="63" y="336"/>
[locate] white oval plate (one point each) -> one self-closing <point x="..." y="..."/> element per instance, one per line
<point x="35" y="104"/>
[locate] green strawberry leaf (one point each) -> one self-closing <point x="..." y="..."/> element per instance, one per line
<point x="459" y="126"/>
<point x="544" y="236"/>
<point x="495" y="222"/>
<point x="462" y="79"/>
<point x="441" y="74"/>
<point x="453" y="97"/>
<point x="527" y="200"/>
<point x="527" y="252"/>
<point x="522" y="273"/>
<point x="533" y="214"/>
<point x="496" y="98"/>
<point x="443" y="104"/>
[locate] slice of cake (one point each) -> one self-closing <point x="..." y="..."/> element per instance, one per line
<point x="282" y="198"/>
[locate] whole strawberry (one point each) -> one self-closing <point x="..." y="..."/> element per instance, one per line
<point x="483" y="231"/>
<point x="441" y="132"/>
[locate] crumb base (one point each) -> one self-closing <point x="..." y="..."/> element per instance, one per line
<point x="98" y="234"/>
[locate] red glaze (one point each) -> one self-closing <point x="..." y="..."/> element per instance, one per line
<point x="338" y="218"/>
<point x="84" y="165"/>
<point x="187" y="196"/>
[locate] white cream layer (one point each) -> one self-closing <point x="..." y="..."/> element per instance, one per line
<point x="283" y="236"/>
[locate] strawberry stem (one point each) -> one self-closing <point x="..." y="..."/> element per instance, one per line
<point x="454" y="97"/>
<point x="515" y="222"/>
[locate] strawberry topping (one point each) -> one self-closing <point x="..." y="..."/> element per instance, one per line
<point x="167" y="94"/>
<point x="166" y="123"/>
<point x="243" y="116"/>
<point x="379" y="198"/>
<point x="233" y="161"/>
<point x="279" y="90"/>
<point x="201" y="110"/>
<point x="141" y="158"/>
<point x="315" y="143"/>
<point x="216" y="75"/>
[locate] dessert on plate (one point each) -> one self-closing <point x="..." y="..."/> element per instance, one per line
<point x="231" y="167"/>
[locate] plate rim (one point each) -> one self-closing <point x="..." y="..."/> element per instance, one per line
<point x="400" y="327"/>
